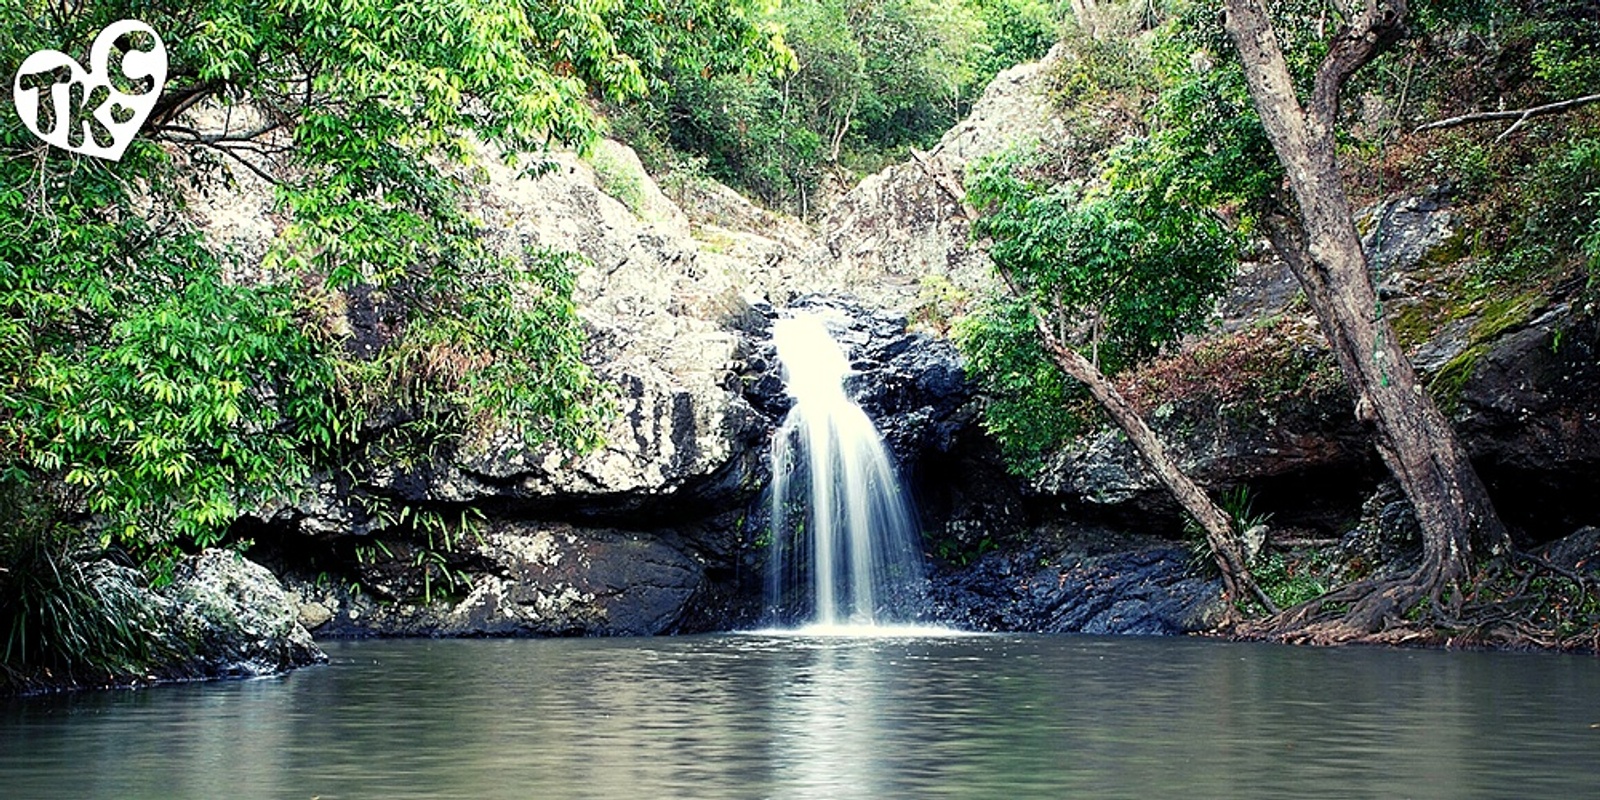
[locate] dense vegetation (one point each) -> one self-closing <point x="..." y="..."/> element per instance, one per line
<point x="1163" y="111"/>
<point x="869" y="79"/>
<point x="153" y="388"/>
<point x="1182" y="129"/>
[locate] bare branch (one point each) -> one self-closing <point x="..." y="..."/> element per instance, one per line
<point x="172" y="104"/>
<point x="1521" y="115"/>
<point x="226" y="144"/>
<point x="223" y="137"/>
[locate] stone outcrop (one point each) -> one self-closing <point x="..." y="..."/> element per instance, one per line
<point x="679" y="451"/>
<point x="653" y="308"/>
<point x="912" y="386"/>
<point x="1080" y="581"/>
<point x="1520" y="390"/>
<point x="650" y="561"/>
<point x="233" y="618"/>
<point x="544" y="579"/>
<point x="656" y="531"/>
<point x="653" y="532"/>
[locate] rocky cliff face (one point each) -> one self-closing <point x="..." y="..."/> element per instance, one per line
<point x="1516" y="374"/>
<point x="656" y="531"/>
<point x="612" y="542"/>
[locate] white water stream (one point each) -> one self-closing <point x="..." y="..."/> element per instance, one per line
<point x="844" y="539"/>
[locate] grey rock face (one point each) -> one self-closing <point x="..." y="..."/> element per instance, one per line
<point x="236" y="619"/>
<point x="1579" y="552"/>
<point x="1386" y="538"/>
<point x="1526" y="408"/>
<point x="1530" y="415"/>
<point x="653" y="308"/>
<point x="897" y="228"/>
<point x="680" y="453"/>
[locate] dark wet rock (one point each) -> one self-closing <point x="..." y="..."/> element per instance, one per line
<point x="1100" y="582"/>
<point x="1579" y="552"/>
<point x="1308" y="459"/>
<point x="913" y="387"/>
<point x="1530" y="416"/>
<point x="1386" y="540"/>
<point x="1403" y="235"/>
<point x="528" y="579"/>
<point x="910" y="384"/>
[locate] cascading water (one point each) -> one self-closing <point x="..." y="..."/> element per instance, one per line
<point x="845" y="541"/>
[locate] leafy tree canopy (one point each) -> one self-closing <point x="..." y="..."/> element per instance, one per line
<point x="146" y="383"/>
<point x="868" y="79"/>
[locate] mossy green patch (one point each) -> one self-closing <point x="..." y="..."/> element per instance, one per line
<point x="618" y="179"/>
<point x="1494" y="318"/>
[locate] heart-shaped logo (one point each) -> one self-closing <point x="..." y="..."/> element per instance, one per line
<point x="86" y="112"/>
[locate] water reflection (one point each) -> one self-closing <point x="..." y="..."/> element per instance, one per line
<point x="827" y="717"/>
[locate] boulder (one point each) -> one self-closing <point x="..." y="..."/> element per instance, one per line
<point x="1093" y="581"/>
<point x="531" y="578"/>
<point x="232" y="617"/>
<point x="1578" y="552"/>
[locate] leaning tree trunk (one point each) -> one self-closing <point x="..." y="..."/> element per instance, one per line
<point x="1225" y="547"/>
<point x="1324" y="251"/>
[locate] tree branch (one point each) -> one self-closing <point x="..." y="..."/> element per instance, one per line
<point x="172" y="105"/>
<point x="1379" y="24"/>
<point x="227" y="144"/>
<point x="1521" y="115"/>
<point x="223" y="137"/>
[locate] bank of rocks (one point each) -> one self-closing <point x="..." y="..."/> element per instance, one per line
<point x="222" y="616"/>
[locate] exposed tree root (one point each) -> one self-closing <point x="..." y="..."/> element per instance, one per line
<point x="1522" y="603"/>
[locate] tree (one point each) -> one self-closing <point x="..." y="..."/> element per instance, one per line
<point x="149" y="395"/>
<point x="1119" y="274"/>
<point x="1318" y="240"/>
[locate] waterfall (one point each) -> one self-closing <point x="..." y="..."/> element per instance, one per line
<point x="844" y="540"/>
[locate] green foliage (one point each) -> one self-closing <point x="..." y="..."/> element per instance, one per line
<point x="1290" y="582"/>
<point x="939" y="304"/>
<point x="618" y="179"/>
<point x="1563" y="202"/>
<point x="159" y="389"/>
<point x="1239" y="504"/>
<point x="174" y="398"/>
<point x="137" y="376"/>
<point x="1032" y="406"/>
<point x="706" y="37"/>
<point x="1566" y="51"/>
<point x="868" y="79"/>
<point x="916" y="69"/>
<point x="1014" y="32"/>
<point x="1097" y="72"/>
<point x="1127" y="261"/>
<point x="1134" y="269"/>
<point x="1207" y="147"/>
<point x="1240" y="507"/>
<point x="954" y="551"/>
<point x="729" y="120"/>
<point x="66" y="608"/>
